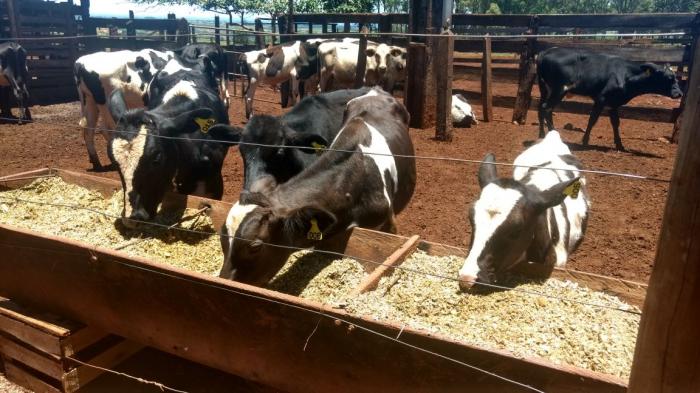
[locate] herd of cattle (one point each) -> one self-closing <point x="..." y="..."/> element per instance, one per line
<point x="338" y="159"/>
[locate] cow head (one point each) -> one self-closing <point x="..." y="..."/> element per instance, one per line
<point x="146" y="162"/>
<point x="503" y="221"/>
<point x="270" y="160"/>
<point x="307" y="62"/>
<point x="660" y="80"/>
<point x="256" y="228"/>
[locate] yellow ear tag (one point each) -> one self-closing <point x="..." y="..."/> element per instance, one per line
<point x="314" y="233"/>
<point x="648" y="72"/>
<point x="204" y="124"/>
<point x="318" y="147"/>
<point x="573" y="189"/>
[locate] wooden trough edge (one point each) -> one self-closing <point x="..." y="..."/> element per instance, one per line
<point x="83" y="257"/>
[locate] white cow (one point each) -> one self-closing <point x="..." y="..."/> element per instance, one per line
<point x="462" y="113"/>
<point x="97" y="75"/>
<point x="538" y="216"/>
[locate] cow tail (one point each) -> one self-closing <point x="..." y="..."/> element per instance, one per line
<point x="77" y="72"/>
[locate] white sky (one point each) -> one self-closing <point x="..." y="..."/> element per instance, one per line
<point x="120" y="8"/>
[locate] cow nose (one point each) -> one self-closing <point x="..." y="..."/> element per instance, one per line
<point x="382" y="68"/>
<point x="466" y="281"/>
<point x="139" y="215"/>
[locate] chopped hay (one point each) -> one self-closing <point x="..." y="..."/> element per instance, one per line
<point x="564" y="332"/>
<point x="318" y="277"/>
<point x="192" y="251"/>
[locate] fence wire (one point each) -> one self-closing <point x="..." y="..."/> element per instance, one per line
<point x="330" y="149"/>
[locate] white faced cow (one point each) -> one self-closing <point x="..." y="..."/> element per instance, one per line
<point x="462" y="113"/>
<point x="338" y="64"/>
<point x="97" y="75"/>
<point x="277" y="64"/>
<point x="539" y="215"/>
<point x="340" y="190"/>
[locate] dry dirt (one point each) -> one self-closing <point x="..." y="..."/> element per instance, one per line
<point x="625" y="216"/>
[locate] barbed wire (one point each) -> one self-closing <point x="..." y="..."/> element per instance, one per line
<point x="330" y="149"/>
<point x="327" y="252"/>
<point x="294" y="306"/>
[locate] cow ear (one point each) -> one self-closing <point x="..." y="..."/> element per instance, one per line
<point x="395" y="51"/>
<point x="254" y="198"/>
<point x="141" y="64"/>
<point x="487" y="170"/>
<point x="370" y="52"/>
<point x="262" y="57"/>
<point x="556" y="194"/>
<point x="117" y="105"/>
<point x="314" y="143"/>
<point x="309" y="222"/>
<point x="226" y="132"/>
<point x="187" y="122"/>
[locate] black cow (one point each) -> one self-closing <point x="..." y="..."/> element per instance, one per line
<point x="338" y="191"/>
<point x="13" y="77"/>
<point x="610" y="81"/>
<point x="313" y="122"/>
<point x="150" y="165"/>
<point x="194" y="52"/>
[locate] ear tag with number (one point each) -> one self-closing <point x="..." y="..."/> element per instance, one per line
<point x="318" y="147"/>
<point x="573" y="189"/>
<point x="204" y="124"/>
<point x="314" y="233"/>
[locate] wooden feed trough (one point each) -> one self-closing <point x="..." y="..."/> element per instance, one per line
<point x="276" y="339"/>
<point x="36" y="350"/>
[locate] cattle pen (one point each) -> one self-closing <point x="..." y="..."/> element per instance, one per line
<point x="295" y="344"/>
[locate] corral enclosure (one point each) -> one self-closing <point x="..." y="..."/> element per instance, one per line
<point x="626" y="215"/>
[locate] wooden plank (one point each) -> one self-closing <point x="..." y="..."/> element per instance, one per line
<point x="22" y="377"/>
<point x="632" y="53"/>
<point x="491" y="20"/>
<point x="42" y="321"/>
<point x="9" y="182"/>
<point x="46" y="363"/>
<point x="612" y="21"/>
<point x="168" y="308"/>
<point x="486" y="82"/>
<point x="139" y="24"/>
<point x="372" y="280"/>
<point x="667" y="355"/>
<point x="38" y="339"/>
<point x="110" y="359"/>
<point x="81" y="339"/>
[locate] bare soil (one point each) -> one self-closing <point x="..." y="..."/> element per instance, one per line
<point x="625" y="217"/>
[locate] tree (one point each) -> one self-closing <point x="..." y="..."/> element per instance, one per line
<point x="348" y="6"/>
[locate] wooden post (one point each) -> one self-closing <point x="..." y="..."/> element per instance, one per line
<point x="193" y="35"/>
<point x="526" y="75"/>
<point x="170" y="32"/>
<point x="422" y="91"/>
<point x="334" y="28"/>
<point x="385" y="27"/>
<point x="691" y="59"/>
<point x="285" y="87"/>
<point x="217" y="31"/>
<point x="667" y="355"/>
<point x="486" y="78"/>
<point x="228" y="35"/>
<point x="324" y="26"/>
<point x="346" y="27"/>
<point x="311" y="28"/>
<point x="290" y="17"/>
<point x="443" y="82"/>
<point x="361" y="60"/>
<point x="259" y="38"/>
<point x="183" y="29"/>
<point x="131" y="31"/>
<point x="12" y="11"/>
<point x="71" y="30"/>
<point x="88" y="26"/>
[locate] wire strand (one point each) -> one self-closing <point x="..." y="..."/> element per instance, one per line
<point x="326" y="252"/>
<point x="330" y="149"/>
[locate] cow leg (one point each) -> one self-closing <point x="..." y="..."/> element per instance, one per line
<point x="107" y="132"/>
<point x="249" y="96"/>
<point x="294" y="86"/>
<point x="615" y="121"/>
<point x="5" y="109"/>
<point x="389" y="225"/>
<point x="89" y="122"/>
<point x="595" y="114"/>
<point x="27" y="115"/>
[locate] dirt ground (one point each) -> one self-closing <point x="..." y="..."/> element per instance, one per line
<point x="625" y="216"/>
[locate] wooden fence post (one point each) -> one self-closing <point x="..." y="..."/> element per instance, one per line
<point x="131" y="31"/>
<point x="12" y="14"/>
<point x="259" y="38"/>
<point x="346" y="27"/>
<point x="183" y="29"/>
<point x="193" y="34"/>
<point x="486" y="78"/>
<point x="361" y="60"/>
<point x="172" y="27"/>
<point x="527" y="73"/>
<point x="691" y="59"/>
<point x="667" y="354"/>
<point x="444" y="53"/>
<point x="385" y="27"/>
<point x="217" y="31"/>
<point x="88" y="27"/>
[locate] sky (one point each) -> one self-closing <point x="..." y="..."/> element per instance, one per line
<point x="120" y="8"/>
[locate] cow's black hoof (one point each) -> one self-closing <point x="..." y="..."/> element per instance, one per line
<point x="96" y="168"/>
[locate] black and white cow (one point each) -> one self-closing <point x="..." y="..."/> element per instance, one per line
<point x="149" y="162"/>
<point x="340" y="190"/>
<point x="218" y="60"/>
<point x="291" y="62"/>
<point x="539" y="215"/>
<point x="13" y="78"/>
<point x="462" y="113"/>
<point x="313" y="122"/>
<point x="610" y="81"/>
<point x="98" y="74"/>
